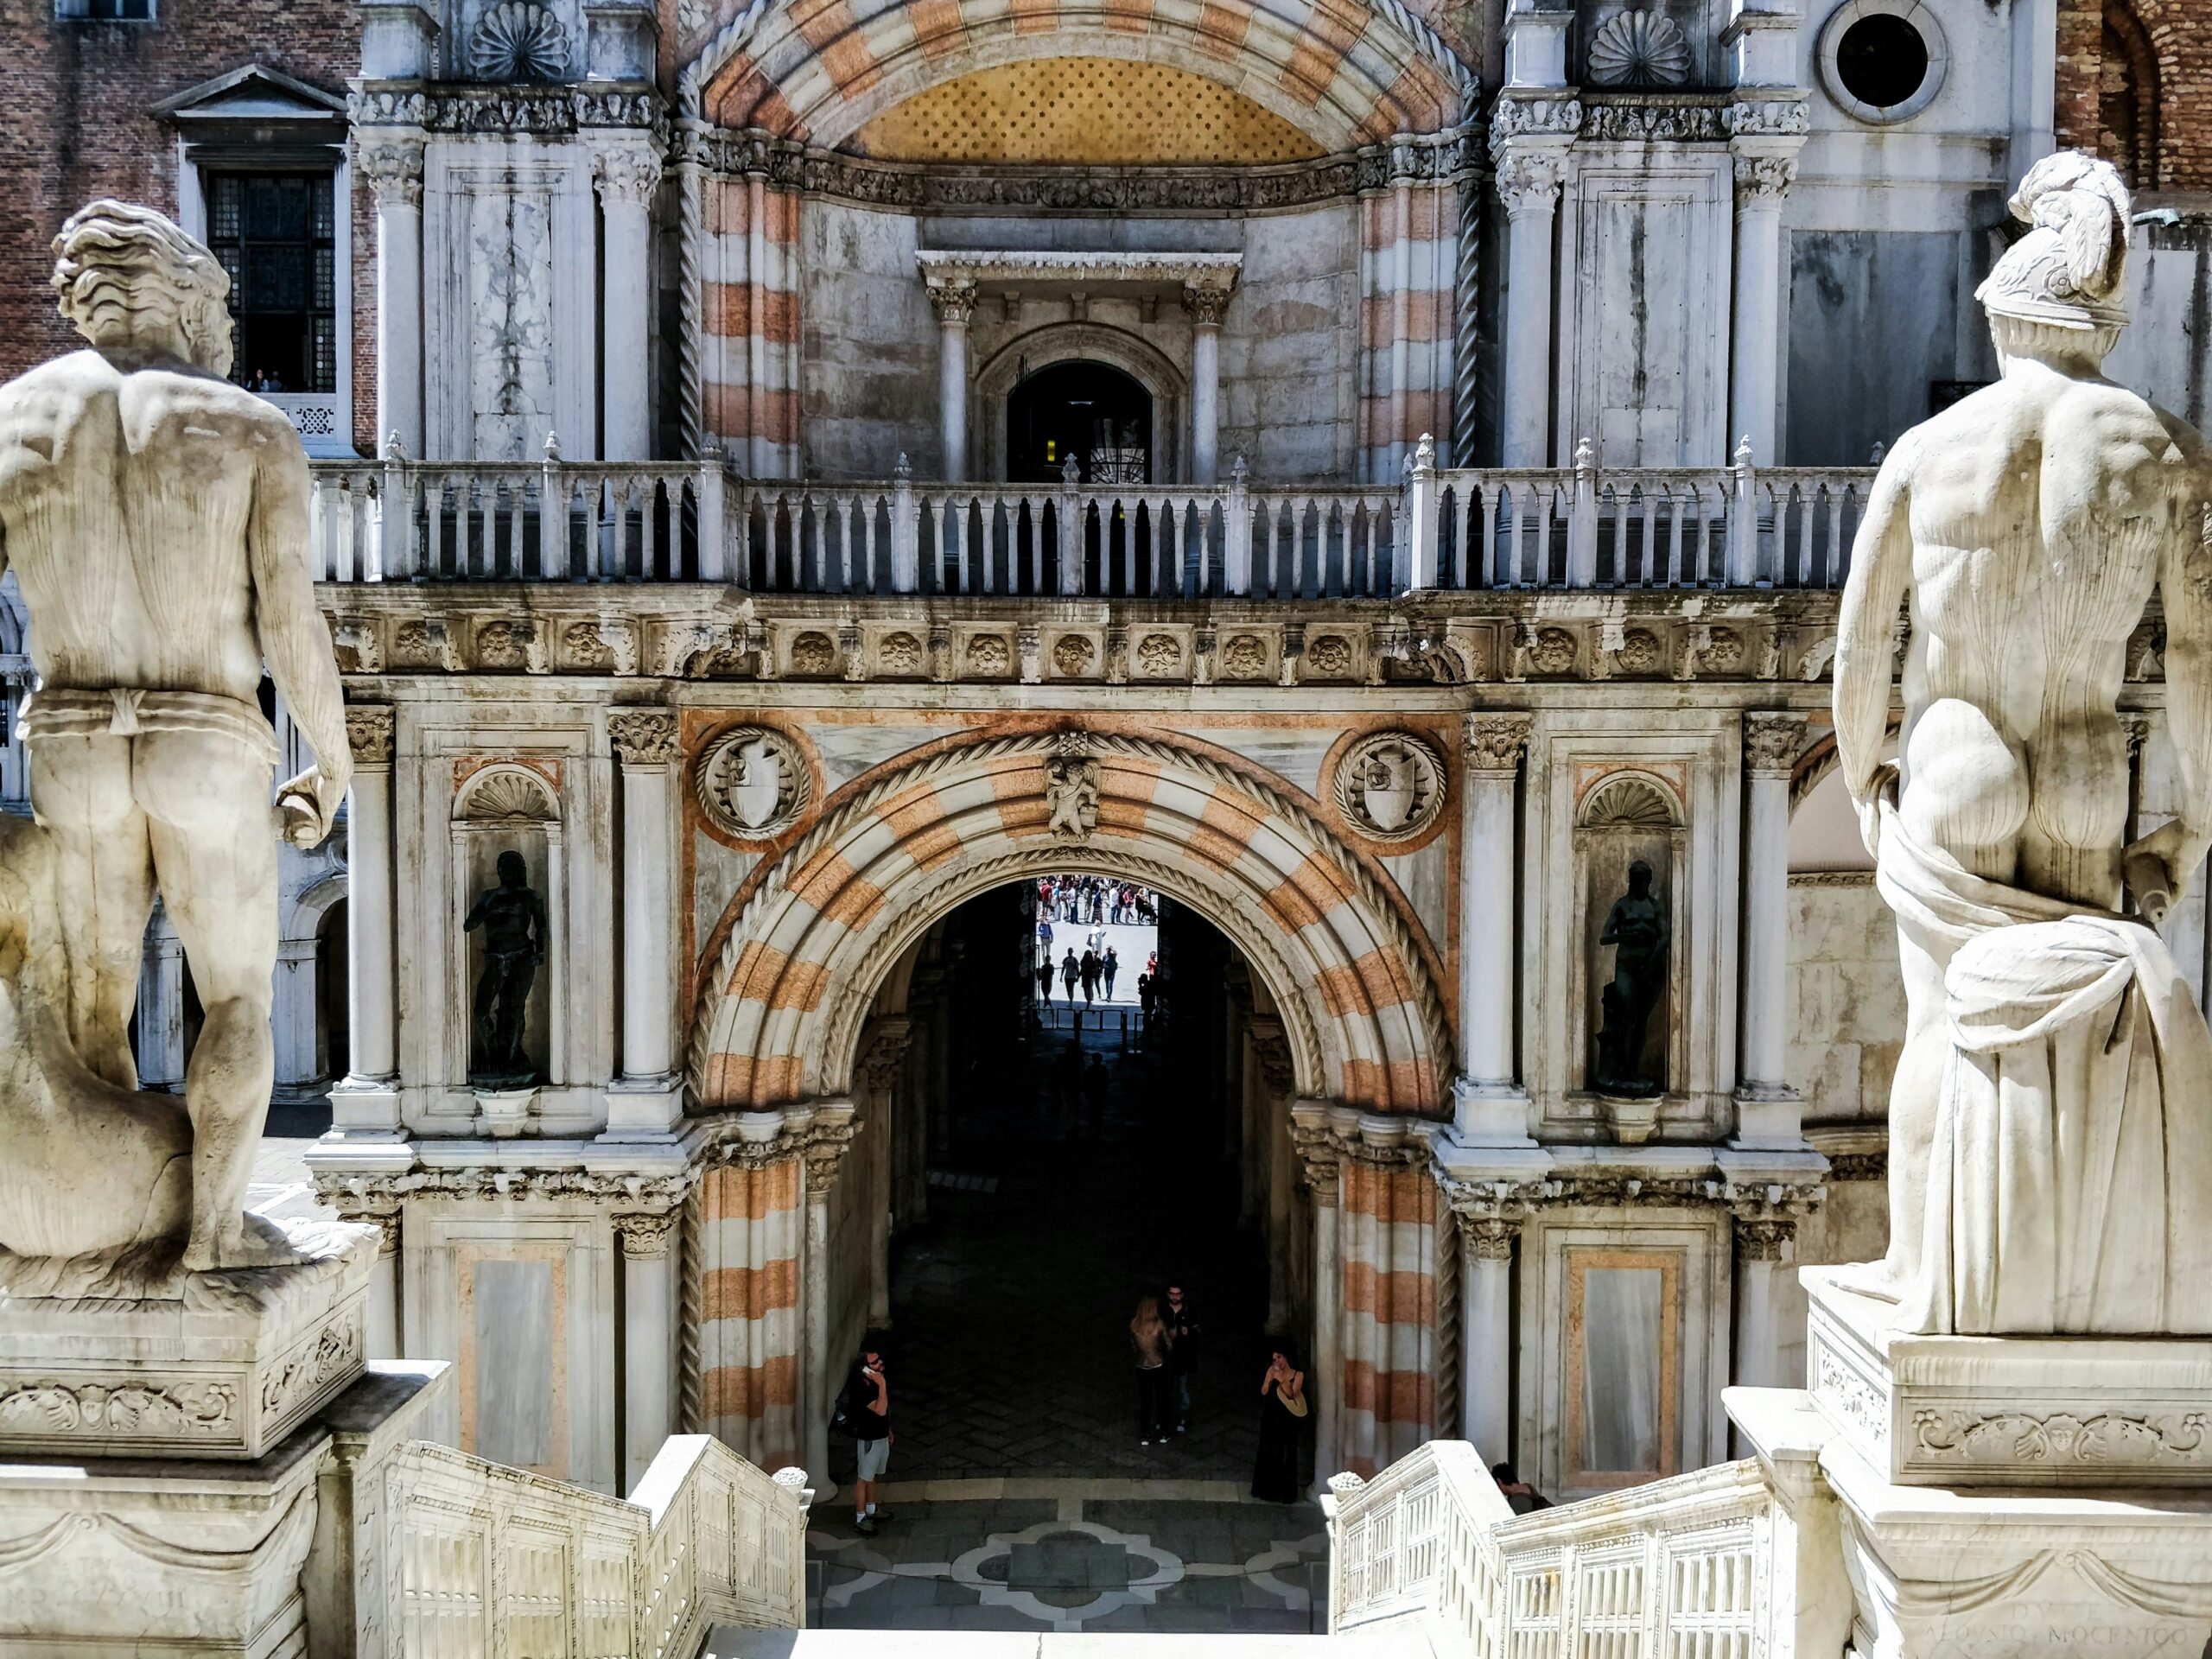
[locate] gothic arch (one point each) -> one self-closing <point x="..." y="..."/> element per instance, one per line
<point x="784" y="999"/>
<point x="1069" y="342"/>
<point x="1344" y="76"/>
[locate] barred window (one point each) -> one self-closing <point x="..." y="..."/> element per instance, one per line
<point x="276" y="234"/>
<point x="105" y="12"/>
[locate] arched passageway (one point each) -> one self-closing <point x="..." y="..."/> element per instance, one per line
<point x="804" y="1041"/>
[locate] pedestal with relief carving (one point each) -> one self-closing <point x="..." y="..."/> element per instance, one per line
<point x="1994" y="1495"/>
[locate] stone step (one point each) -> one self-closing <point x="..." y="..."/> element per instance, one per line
<point x="1403" y="1642"/>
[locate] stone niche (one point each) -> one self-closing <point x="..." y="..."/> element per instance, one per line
<point x="507" y="807"/>
<point x="1625" y="817"/>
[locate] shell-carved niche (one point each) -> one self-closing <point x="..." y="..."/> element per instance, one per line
<point x="519" y="41"/>
<point x="1646" y="46"/>
<point x="1628" y="878"/>
<point x="506" y="811"/>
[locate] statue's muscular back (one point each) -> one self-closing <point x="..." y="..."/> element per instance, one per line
<point x="125" y="497"/>
<point x="2012" y="760"/>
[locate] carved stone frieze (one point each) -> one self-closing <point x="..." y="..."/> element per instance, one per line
<point x="51" y="1410"/>
<point x="2104" y="1439"/>
<point x="366" y="1196"/>
<point x="509" y="111"/>
<point x="1676" y="118"/>
<point x="1534" y="118"/>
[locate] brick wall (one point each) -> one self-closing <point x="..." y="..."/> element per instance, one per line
<point x="2177" y="35"/>
<point x="75" y="126"/>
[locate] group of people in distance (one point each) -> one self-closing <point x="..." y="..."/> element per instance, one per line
<point x="1164" y="1336"/>
<point x="1095" y="898"/>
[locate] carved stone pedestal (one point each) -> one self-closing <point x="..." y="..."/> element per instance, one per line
<point x="165" y="1558"/>
<point x="2008" y="1411"/>
<point x="1990" y="1496"/>
<point x="111" y="1359"/>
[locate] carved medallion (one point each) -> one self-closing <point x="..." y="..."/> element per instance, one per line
<point x="1159" y="655"/>
<point x="813" y="653"/>
<point x="988" y="654"/>
<point x="519" y="39"/>
<point x="753" y="782"/>
<point x="1328" y="656"/>
<point x="1244" y="657"/>
<point x="1390" y="786"/>
<point x="1072" y="655"/>
<point x="900" y="655"/>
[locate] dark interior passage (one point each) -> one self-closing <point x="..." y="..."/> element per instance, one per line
<point x="1010" y="1299"/>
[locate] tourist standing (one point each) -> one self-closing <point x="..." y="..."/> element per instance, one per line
<point x="1045" y="982"/>
<point x="1107" y="967"/>
<point x="1090" y="967"/>
<point x="1144" y="993"/>
<point x="863" y="1409"/>
<point x="1070" y="971"/>
<point x="1149" y="1337"/>
<point x="1519" y="1493"/>
<point x="1183" y="1357"/>
<point x="1282" y="1423"/>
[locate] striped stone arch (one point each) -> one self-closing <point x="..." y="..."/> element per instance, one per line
<point x="810" y="938"/>
<point x="1343" y="73"/>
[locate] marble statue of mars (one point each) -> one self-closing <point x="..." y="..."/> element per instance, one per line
<point x="155" y="516"/>
<point x="2040" y="1178"/>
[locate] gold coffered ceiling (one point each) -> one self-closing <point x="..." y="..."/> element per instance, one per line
<point x="1101" y="111"/>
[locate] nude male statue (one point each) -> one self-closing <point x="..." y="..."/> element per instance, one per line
<point x="512" y="917"/>
<point x="155" y="518"/>
<point x="2028" y="525"/>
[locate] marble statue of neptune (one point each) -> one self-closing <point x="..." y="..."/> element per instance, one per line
<point x="155" y="516"/>
<point x="2050" y="1125"/>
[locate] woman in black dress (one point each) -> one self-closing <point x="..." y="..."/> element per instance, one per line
<point x="1282" y="1422"/>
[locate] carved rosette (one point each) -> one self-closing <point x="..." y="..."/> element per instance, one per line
<point x="646" y="1235"/>
<point x="753" y="783"/>
<point x="1493" y="744"/>
<point x="1771" y="742"/>
<point x="954" y="302"/>
<point x="1389" y="786"/>
<point x="368" y="734"/>
<point x="391" y="166"/>
<point x="643" y="737"/>
<point x="627" y="175"/>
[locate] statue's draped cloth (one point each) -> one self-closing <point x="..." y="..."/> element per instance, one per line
<point x="2069" y="1188"/>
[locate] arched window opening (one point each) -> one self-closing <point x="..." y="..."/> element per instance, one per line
<point x="2128" y="97"/>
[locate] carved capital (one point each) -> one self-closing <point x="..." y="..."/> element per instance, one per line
<point x="887" y="1056"/>
<point x="1780" y="117"/>
<point x="628" y="176"/>
<point x="954" y="302"/>
<point x="1763" y="180"/>
<point x="386" y="1222"/>
<point x="1765" y="1237"/>
<point x="391" y="166"/>
<point x="1207" y="303"/>
<point x="1529" y="180"/>
<point x="643" y="737"/>
<point x="1771" y="742"/>
<point x="1494" y="743"/>
<point x="1271" y="1049"/>
<point x="368" y="734"/>
<point x="824" y="1157"/>
<point x="645" y="1234"/>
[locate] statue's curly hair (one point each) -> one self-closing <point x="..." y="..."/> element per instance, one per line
<point x="118" y="267"/>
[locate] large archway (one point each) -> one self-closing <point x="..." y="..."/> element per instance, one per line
<point x="794" y="967"/>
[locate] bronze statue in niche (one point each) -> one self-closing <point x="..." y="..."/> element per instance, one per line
<point x="512" y="917"/>
<point x="1639" y="930"/>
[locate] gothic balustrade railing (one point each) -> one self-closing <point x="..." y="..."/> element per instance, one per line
<point x="1582" y="527"/>
<point x="483" y="1559"/>
<point x="1680" y="1565"/>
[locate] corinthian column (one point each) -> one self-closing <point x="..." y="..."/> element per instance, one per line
<point x="1762" y="179"/>
<point x="1527" y="183"/>
<point x="1487" y="1234"/>
<point x="1768" y="1110"/>
<point x="879" y="1074"/>
<point x="1489" y="1106"/>
<point x="649" y="1336"/>
<point x="824" y="1156"/>
<point x="391" y="162"/>
<point x="955" y="305"/>
<point x="648" y="1099"/>
<point x="628" y="174"/>
<point x="367" y="1101"/>
<point x="1207" y="306"/>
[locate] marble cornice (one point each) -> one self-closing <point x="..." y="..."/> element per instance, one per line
<point x="1441" y="158"/>
<point x="702" y="632"/>
<point x="461" y="109"/>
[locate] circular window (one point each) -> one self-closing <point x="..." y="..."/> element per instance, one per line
<point x="1883" y="60"/>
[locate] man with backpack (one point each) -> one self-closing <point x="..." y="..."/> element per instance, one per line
<point x="864" y="1411"/>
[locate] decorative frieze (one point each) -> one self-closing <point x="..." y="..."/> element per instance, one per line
<point x="509" y="111"/>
